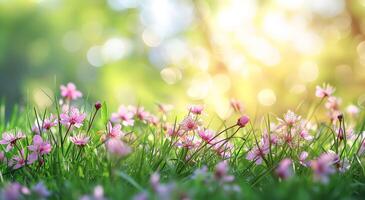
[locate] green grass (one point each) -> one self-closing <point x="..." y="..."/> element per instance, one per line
<point x="70" y="171"/>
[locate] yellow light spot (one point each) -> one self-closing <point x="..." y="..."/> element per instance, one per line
<point x="266" y="97"/>
<point x="308" y="71"/>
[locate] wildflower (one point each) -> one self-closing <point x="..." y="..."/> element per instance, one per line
<point x="343" y="165"/>
<point x="257" y="153"/>
<point x="123" y="115"/>
<point x="206" y="134"/>
<point x="152" y="119"/>
<point x="243" y="121"/>
<point x="80" y="140"/>
<point x="13" y="191"/>
<point x="325" y="91"/>
<point x="11" y="139"/>
<point x="19" y="161"/>
<point x="223" y="148"/>
<point x="174" y="131"/>
<point x="140" y="113"/>
<point x="188" y="141"/>
<point x="284" y="170"/>
<point x="221" y="173"/>
<point x="49" y="122"/>
<point x="324" y="166"/>
<point x="117" y="147"/>
<point x="39" y="147"/>
<point x="189" y="124"/>
<point x="305" y="135"/>
<point x="352" y="110"/>
<point x="70" y="92"/>
<point x="72" y="117"/>
<point x="97" y="105"/>
<point x="290" y="119"/>
<point x="196" y="109"/>
<point x="303" y="159"/>
<point x="41" y="190"/>
<point x="333" y="103"/>
<point x="236" y="105"/>
<point x="113" y="143"/>
<point x="114" y="132"/>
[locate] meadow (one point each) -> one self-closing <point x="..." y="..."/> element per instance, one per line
<point x="82" y="150"/>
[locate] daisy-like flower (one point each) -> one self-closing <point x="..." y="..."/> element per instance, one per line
<point x="305" y="135"/>
<point x="196" y="109"/>
<point x="70" y="92"/>
<point x="80" y="140"/>
<point x="206" y="134"/>
<point x="258" y="152"/>
<point x="124" y="115"/>
<point x="284" y="170"/>
<point x="19" y="161"/>
<point x="324" y="166"/>
<point x="140" y="113"/>
<point x="39" y="148"/>
<point x="303" y="159"/>
<point x="325" y="91"/>
<point x="113" y="143"/>
<point x="50" y="122"/>
<point x="72" y="117"/>
<point x="114" y="132"/>
<point x="236" y="105"/>
<point x="223" y="148"/>
<point x="333" y="103"/>
<point x="189" y="124"/>
<point x="290" y="119"/>
<point x="221" y="173"/>
<point x="10" y="139"/>
<point x="174" y="131"/>
<point x="188" y="141"/>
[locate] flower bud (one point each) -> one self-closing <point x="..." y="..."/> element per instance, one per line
<point x="97" y="105"/>
<point x="242" y="121"/>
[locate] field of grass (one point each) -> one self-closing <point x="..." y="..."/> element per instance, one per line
<point x="76" y="150"/>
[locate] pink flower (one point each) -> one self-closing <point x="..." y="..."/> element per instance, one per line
<point x="114" y="132"/>
<point x="80" y="140"/>
<point x="165" y="108"/>
<point x="19" y="161"/>
<point x="72" y="117"/>
<point x="206" y="134"/>
<point x="39" y="148"/>
<point x="174" y="131"/>
<point x="117" y="147"/>
<point x="324" y="166"/>
<point x="290" y="119"/>
<point x="188" y="141"/>
<point x="189" y="124"/>
<point x="303" y="159"/>
<point x="236" y="105"/>
<point x="11" y="139"/>
<point x="221" y="173"/>
<point x="324" y="91"/>
<point x="123" y="115"/>
<point x="284" y="170"/>
<point x="70" y="92"/>
<point x="333" y="103"/>
<point x="152" y="119"/>
<point x="140" y="113"/>
<point x="49" y="122"/>
<point x="258" y="152"/>
<point x="352" y="110"/>
<point x="13" y="191"/>
<point x="305" y="135"/>
<point x="243" y="121"/>
<point x="196" y="109"/>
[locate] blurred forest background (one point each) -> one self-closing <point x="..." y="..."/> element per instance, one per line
<point x="268" y="54"/>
